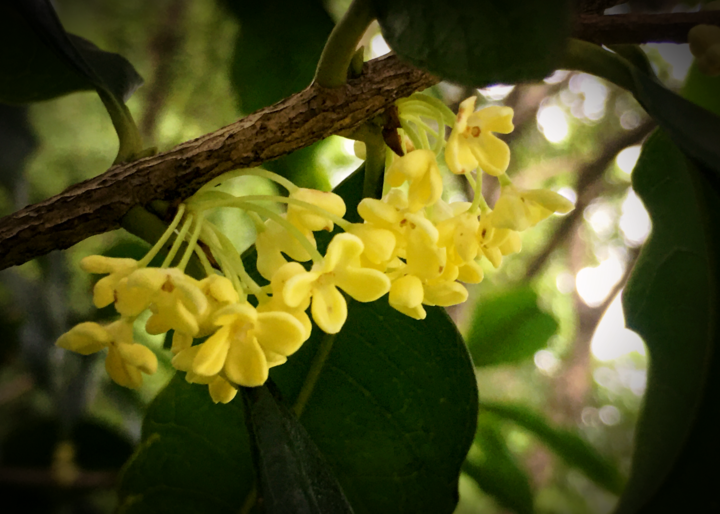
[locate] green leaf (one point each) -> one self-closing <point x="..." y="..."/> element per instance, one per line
<point x="567" y="444"/>
<point x="194" y="456"/>
<point x="390" y="402"/>
<point x="276" y="51"/>
<point x="477" y="43"/>
<point x="508" y="326"/>
<point x="41" y="61"/>
<point x="671" y="301"/>
<point x="277" y="48"/>
<point x="46" y="62"/>
<point x="496" y="471"/>
<point x="293" y="475"/>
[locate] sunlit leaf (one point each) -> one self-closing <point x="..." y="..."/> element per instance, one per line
<point x="671" y="301"/>
<point x="496" y="471"/>
<point x="567" y="444"/>
<point x="508" y="326"/>
<point x="477" y="43"/>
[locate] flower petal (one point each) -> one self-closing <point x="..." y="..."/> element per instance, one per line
<point x="213" y="353"/>
<point x="364" y="285"/>
<point x="406" y="292"/>
<point x="493" y="155"/>
<point x="445" y="294"/>
<point x="138" y="356"/>
<point x="279" y="332"/>
<point x="329" y="309"/>
<point x="221" y="391"/>
<point x="298" y="288"/>
<point x="120" y="371"/>
<point x="342" y="250"/>
<point x="246" y="363"/>
<point x="85" y="338"/>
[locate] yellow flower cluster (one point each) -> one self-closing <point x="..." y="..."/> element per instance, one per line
<point x="412" y="245"/>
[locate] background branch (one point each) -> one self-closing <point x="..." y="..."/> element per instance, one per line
<point x="640" y="28"/>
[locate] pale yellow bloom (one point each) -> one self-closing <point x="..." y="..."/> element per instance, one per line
<point x="472" y="143"/>
<point x="311" y="220"/>
<point x="275" y="241"/>
<point x="406" y="296"/>
<point x="420" y="168"/>
<point x="276" y="302"/>
<point x="104" y="292"/>
<point x="519" y="210"/>
<point x="126" y="360"/>
<point x="340" y="268"/>
<point x="175" y="299"/>
<point x="238" y="348"/>
<point x="378" y="244"/>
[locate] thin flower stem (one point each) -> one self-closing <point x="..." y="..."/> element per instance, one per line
<point x="292" y="229"/>
<point x="314" y="373"/>
<point x="237" y="265"/>
<point x="504" y="180"/>
<point x="341" y="222"/>
<point x="254" y="172"/>
<point x="163" y="239"/>
<point x="411" y="133"/>
<point x="478" y="194"/>
<point x="178" y="242"/>
<point x="193" y="241"/>
<point x="204" y="260"/>
<point x="417" y="99"/>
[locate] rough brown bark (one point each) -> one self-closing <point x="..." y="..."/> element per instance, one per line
<point x="98" y="204"/>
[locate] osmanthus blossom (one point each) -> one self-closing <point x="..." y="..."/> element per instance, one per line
<point x="340" y="268"/>
<point x="518" y="210"/>
<point x="472" y="143"/>
<point x="410" y="244"/>
<point x="245" y="346"/>
<point x="126" y="360"/>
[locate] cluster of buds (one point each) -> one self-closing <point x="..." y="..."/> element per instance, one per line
<point x="412" y="245"/>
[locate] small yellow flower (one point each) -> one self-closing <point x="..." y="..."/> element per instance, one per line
<point x="275" y="241"/>
<point x="276" y="302"/>
<point x="420" y="168"/>
<point x="340" y="268"/>
<point x="126" y="360"/>
<point x="311" y="220"/>
<point x="238" y="349"/>
<point x="406" y="296"/>
<point x="175" y="299"/>
<point x="519" y="210"/>
<point x="378" y="243"/>
<point x="104" y="292"/>
<point x="472" y="143"/>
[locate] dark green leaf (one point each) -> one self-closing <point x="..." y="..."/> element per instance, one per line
<point x="277" y="48"/>
<point x="574" y="450"/>
<point x="41" y="61"/>
<point x="477" y="43"/>
<point x="496" y="471"/>
<point x="293" y="475"/>
<point x="276" y="51"/>
<point x="393" y="410"/>
<point x="508" y="326"/>
<point x="194" y="456"/>
<point x="694" y="129"/>
<point x="671" y="301"/>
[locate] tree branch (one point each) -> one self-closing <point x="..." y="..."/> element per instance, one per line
<point x="97" y="205"/>
<point x="641" y="28"/>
